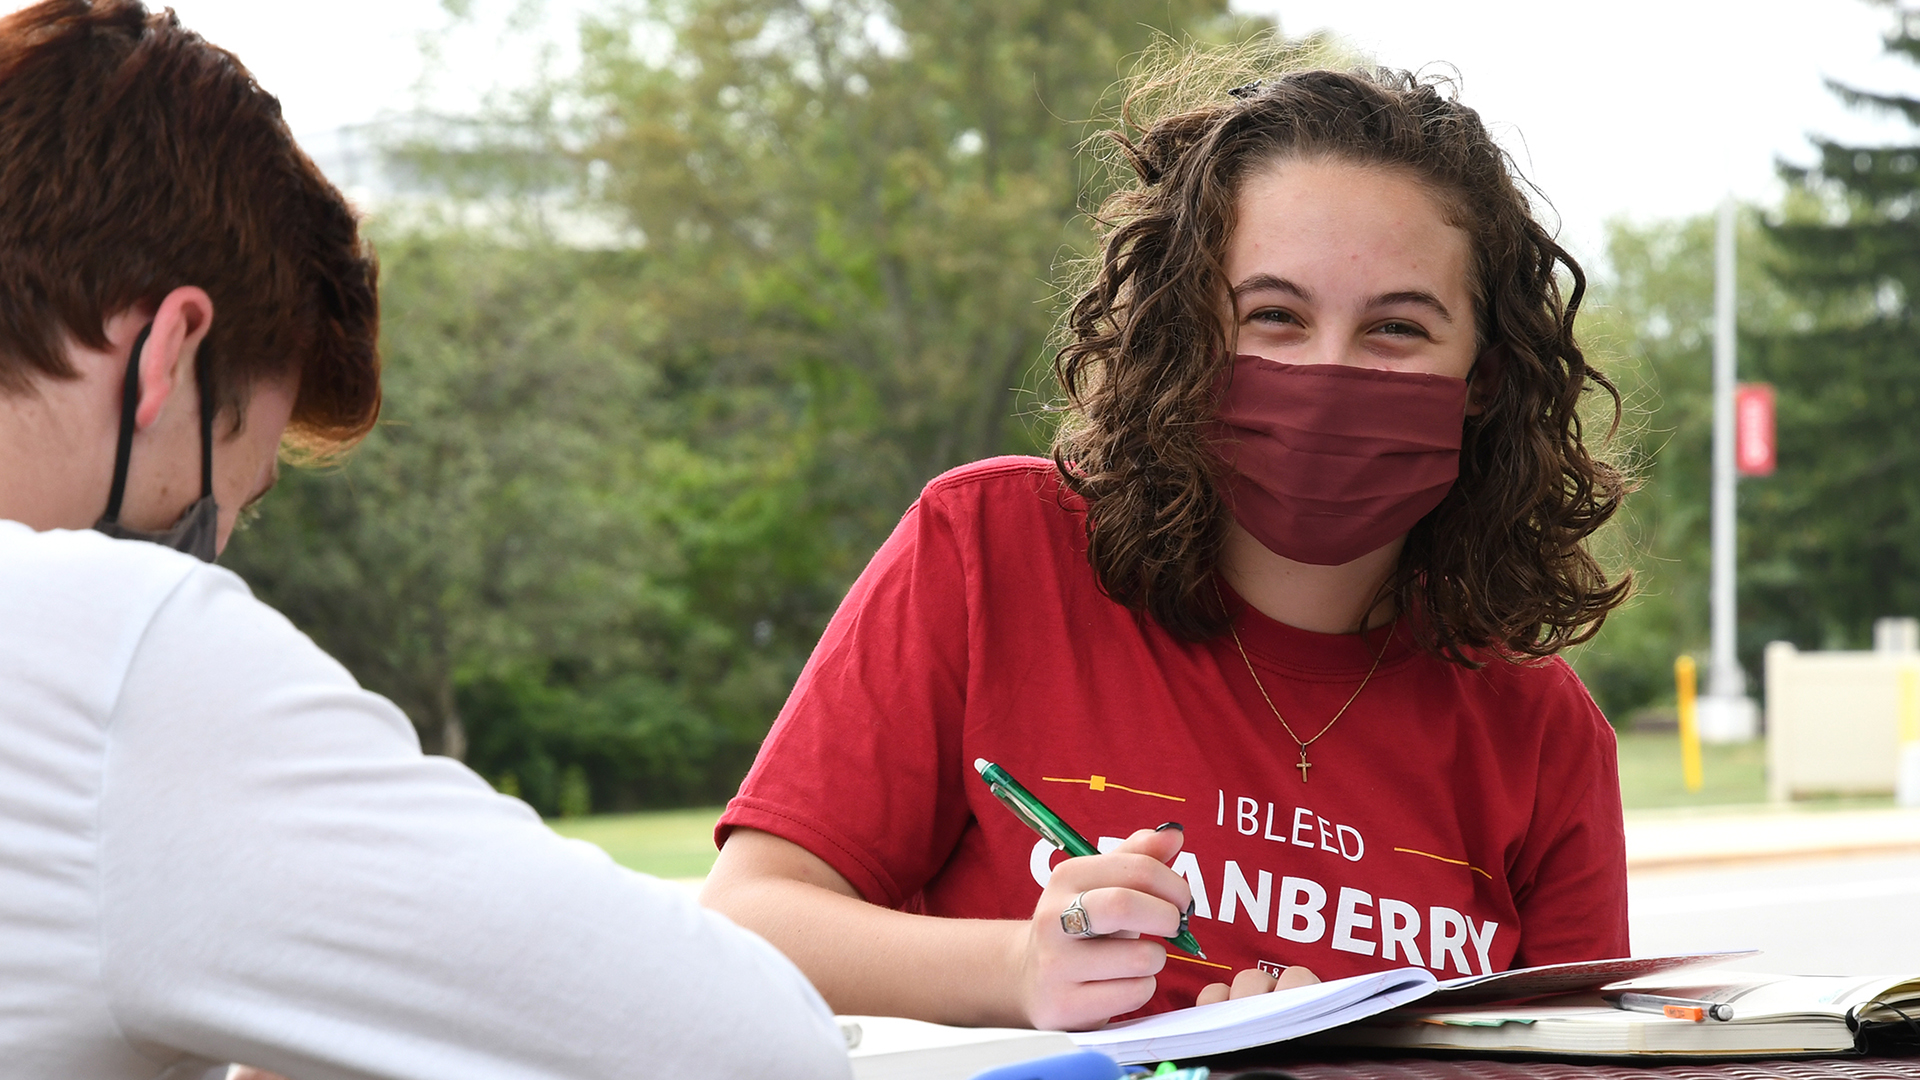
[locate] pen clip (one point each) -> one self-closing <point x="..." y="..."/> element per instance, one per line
<point x="1045" y="829"/>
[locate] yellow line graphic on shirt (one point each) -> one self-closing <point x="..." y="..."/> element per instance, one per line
<point x="1444" y="859"/>
<point x="1096" y="782"/>
<point x="1171" y="955"/>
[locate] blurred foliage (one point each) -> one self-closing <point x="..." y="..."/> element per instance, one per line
<point x="671" y="344"/>
<point x="673" y="340"/>
<point x="1649" y="326"/>
<point x="1831" y="540"/>
<point x="1837" y="536"/>
<point x="874" y="195"/>
<point x="525" y="554"/>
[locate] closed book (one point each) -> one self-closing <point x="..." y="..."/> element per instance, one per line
<point x="1772" y="1016"/>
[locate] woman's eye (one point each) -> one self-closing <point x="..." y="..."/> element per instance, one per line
<point x="1274" y="317"/>
<point x="1401" y="328"/>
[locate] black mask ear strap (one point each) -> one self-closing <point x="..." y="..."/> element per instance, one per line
<point x="129" y="404"/>
<point x="203" y="378"/>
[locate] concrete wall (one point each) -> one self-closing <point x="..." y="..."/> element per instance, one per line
<point x="1835" y="720"/>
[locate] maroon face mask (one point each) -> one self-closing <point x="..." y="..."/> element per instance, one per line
<point x="1328" y="462"/>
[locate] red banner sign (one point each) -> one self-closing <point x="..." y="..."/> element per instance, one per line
<point x="1753" y="442"/>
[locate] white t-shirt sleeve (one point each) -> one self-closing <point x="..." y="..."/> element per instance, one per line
<point x="287" y="882"/>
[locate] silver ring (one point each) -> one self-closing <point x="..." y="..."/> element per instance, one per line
<point x="1074" y="920"/>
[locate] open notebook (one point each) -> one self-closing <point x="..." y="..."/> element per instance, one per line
<point x="891" y="1047"/>
<point x="1290" y="1014"/>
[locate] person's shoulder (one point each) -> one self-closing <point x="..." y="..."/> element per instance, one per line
<point x="1549" y="676"/>
<point x="1550" y="690"/>
<point x="1523" y="685"/>
<point x="1007" y="481"/>
<point x="1009" y="471"/>
<point x="82" y="607"/>
<point x="91" y="583"/>
<point x="62" y="560"/>
<point x="1011" y="499"/>
<point x="1538" y="672"/>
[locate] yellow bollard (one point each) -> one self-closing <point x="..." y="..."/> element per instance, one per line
<point x="1685" y="678"/>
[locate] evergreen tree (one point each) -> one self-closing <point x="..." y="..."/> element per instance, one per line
<point x="1832" y="540"/>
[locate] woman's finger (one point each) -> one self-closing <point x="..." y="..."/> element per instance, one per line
<point x="1252" y="981"/>
<point x="1099" y="1001"/>
<point x="1112" y="958"/>
<point x="1296" y="976"/>
<point x="1118" y="910"/>
<point x="1160" y="844"/>
<point x="1122" y="870"/>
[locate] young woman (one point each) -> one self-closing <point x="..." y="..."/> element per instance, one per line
<point x="1295" y="578"/>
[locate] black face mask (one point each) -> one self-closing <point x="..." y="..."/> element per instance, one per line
<point x="198" y="531"/>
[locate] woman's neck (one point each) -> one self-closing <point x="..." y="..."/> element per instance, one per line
<point x="1322" y="599"/>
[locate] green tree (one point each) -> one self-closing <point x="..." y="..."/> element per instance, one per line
<point x="1649" y="324"/>
<point x="621" y="484"/>
<point x="527" y="558"/>
<point x="1837" y="530"/>
<point x="867" y="194"/>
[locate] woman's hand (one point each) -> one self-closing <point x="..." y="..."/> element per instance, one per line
<point x="1132" y="901"/>
<point x="1254" y="981"/>
<point x="868" y="959"/>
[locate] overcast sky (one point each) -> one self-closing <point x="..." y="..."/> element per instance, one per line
<point x="1643" y="108"/>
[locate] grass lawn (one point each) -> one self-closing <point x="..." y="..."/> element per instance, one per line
<point x="665" y="843"/>
<point x="679" y="843"/>
<point x="1650" y="773"/>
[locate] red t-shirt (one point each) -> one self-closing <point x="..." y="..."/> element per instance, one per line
<point x="1468" y="821"/>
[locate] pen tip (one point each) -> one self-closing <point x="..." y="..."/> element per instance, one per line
<point x="980" y="765"/>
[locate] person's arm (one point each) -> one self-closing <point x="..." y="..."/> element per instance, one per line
<point x="858" y="798"/>
<point x="869" y="959"/>
<point x="287" y="882"/>
<point x="1572" y="897"/>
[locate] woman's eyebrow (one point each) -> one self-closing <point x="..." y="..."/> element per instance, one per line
<point x="1412" y="296"/>
<point x="1271" y="283"/>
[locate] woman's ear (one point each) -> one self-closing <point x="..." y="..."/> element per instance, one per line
<point x="180" y="324"/>
<point x="1483" y="378"/>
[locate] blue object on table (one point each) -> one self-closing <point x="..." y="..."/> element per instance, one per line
<point x="1079" y="1065"/>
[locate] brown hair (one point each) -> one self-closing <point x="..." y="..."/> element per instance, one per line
<point x="136" y="158"/>
<point x="1501" y="563"/>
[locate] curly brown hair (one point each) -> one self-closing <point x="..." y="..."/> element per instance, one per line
<point x="1501" y="564"/>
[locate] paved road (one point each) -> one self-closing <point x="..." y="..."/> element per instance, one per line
<point x="1820" y="915"/>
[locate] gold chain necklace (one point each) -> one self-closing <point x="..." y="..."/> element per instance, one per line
<point x="1288" y="728"/>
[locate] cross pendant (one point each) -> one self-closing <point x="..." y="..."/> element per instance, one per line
<point x="1304" y="765"/>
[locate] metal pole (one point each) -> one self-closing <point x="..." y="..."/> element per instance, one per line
<point x="1726" y="680"/>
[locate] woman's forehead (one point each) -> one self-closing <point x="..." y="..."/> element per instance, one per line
<point x="1343" y="221"/>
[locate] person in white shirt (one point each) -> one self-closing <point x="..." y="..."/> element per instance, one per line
<point x="214" y="846"/>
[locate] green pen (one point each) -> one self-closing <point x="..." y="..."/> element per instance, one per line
<point x="1041" y="820"/>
